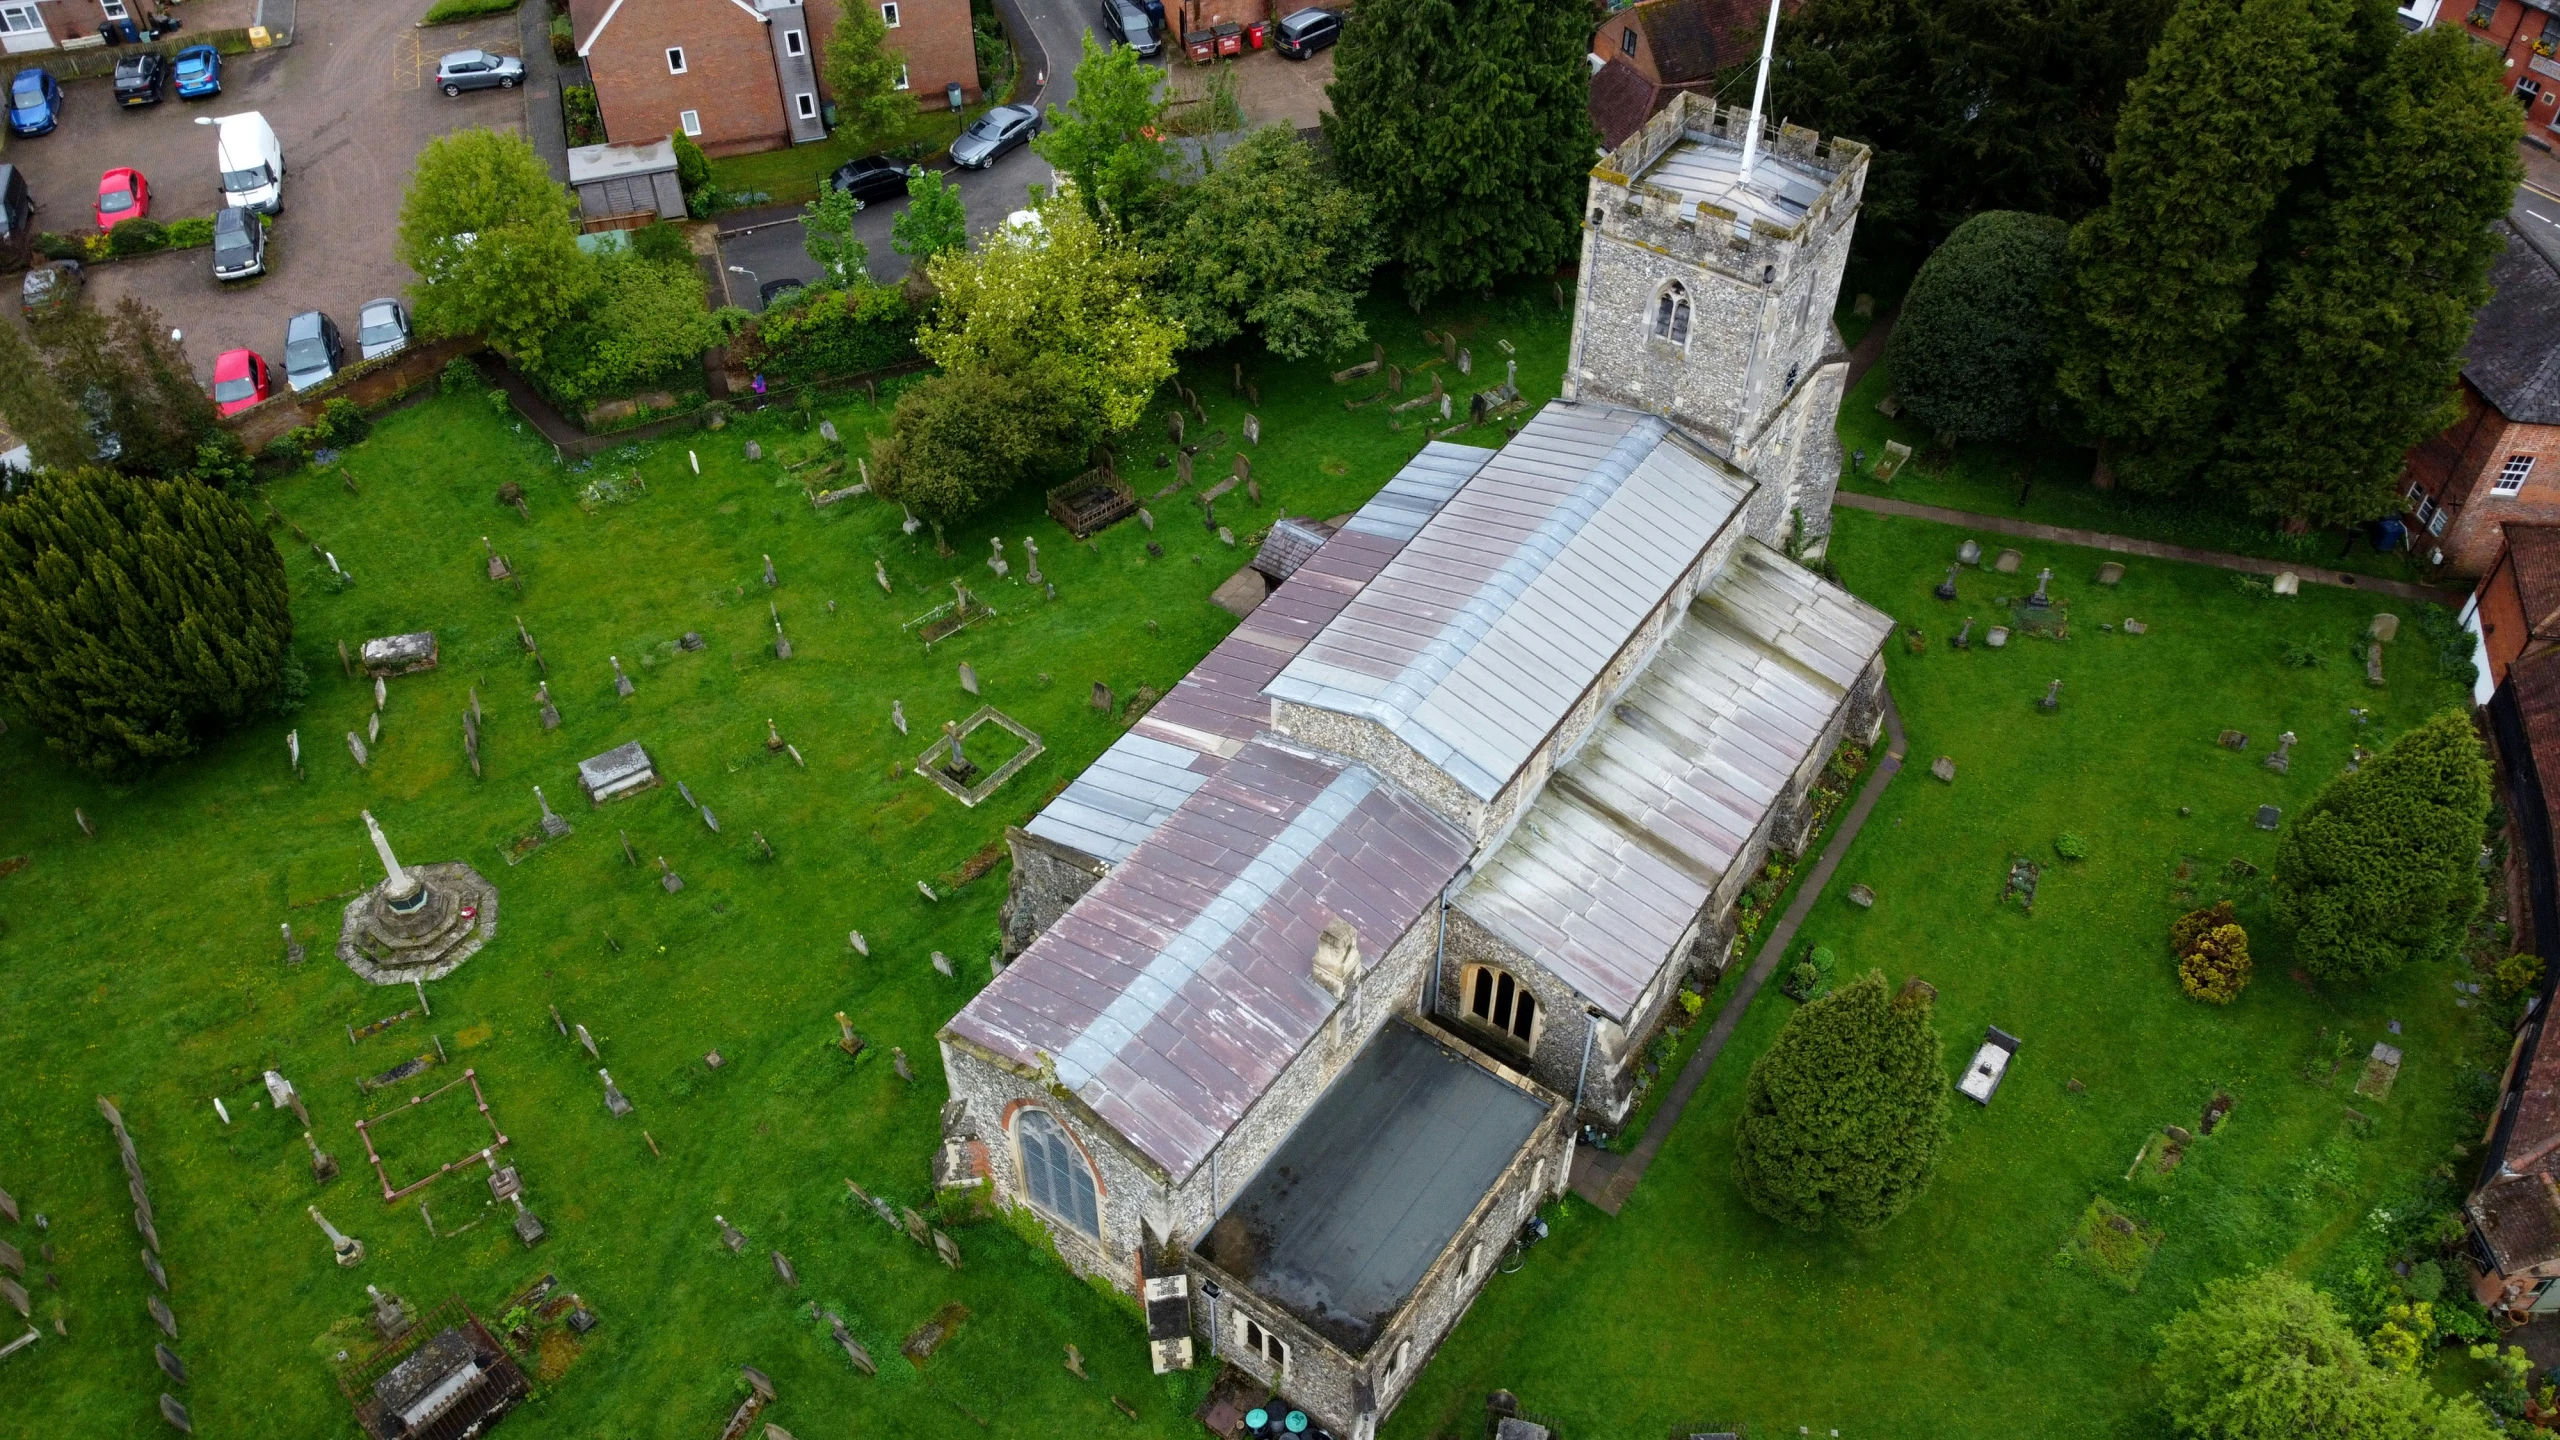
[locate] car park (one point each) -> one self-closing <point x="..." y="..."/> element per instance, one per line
<point x="382" y="328"/>
<point x="51" y="287"/>
<point x="478" y="70"/>
<point x="992" y="135"/>
<point x="312" y="350"/>
<point x="123" y="194"/>
<point x="250" y="162"/>
<point x="873" y="177"/>
<point x="1305" y="32"/>
<point x="239" y="244"/>
<point x="35" y="102"/>
<point x="197" y="75"/>
<point x="239" y="381"/>
<point x="139" y="76"/>
<point x="1125" y="22"/>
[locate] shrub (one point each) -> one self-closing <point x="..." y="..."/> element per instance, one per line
<point x="564" y="49"/>
<point x="578" y="110"/>
<point x="222" y="462"/>
<point x="499" y="404"/>
<point x="643" y="321"/>
<point x="139" y="237"/>
<point x="2216" y="968"/>
<point x="1843" y="1115"/>
<point x="2187" y="929"/>
<point x="448" y="10"/>
<point x="660" y="244"/>
<point x="2384" y="867"/>
<point x="836" y="332"/>
<point x="60" y="247"/>
<point x="192" y="232"/>
<point x="959" y="443"/>
<point x="2266" y="1357"/>
<point x="2070" y="846"/>
<point x="343" y="423"/>
<point x="693" y="168"/>
<point x="460" y="375"/>
<point x="1969" y="351"/>
<point x="2518" y="974"/>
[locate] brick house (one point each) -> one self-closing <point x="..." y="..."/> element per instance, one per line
<point x="2516" y="606"/>
<point x="2526" y="35"/>
<point x="2500" y="462"/>
<point x="1645" y="54"/>
<point x="30" y="26"/>
<point x="742" y="75"/>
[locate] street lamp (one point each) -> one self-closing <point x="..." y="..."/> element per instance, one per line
<point x="743" y="270"/>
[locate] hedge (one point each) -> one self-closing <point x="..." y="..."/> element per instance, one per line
<point x="835" y="332"/>
<point x="445" y="11"/>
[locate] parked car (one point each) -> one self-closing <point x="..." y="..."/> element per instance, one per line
<point x="873" y="177"/>
<point x="198" y="73"/>
<point x="17" y="217"/>
<point x="312" y="350"/>
<point x="35" y="102"/>
<point x="773" y="290"/>
<point x="50" y="287"/>
<point x="239" y="381"/>
<point x="990" y="136"/>
<point x="1307" y="31"/>
<point x="478" y="70"/>
<point x="251" y="163"/>
<point x="1126" y="22"/>
<point x="239" y="244"/>
<point x="122" y="195"/>
<point x="138" y="78"/>
<point x="382" y="328"/>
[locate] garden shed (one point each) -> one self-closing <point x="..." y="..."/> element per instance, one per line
<point x="623" y="187"/>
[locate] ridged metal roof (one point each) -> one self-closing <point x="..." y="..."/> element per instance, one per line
<point x="1178" y="744"/>
<point x="1476" y="640"/>
<point x="1628" y="840"/>
<point x="1176" y="990"/>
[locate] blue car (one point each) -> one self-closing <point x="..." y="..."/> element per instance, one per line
<point x="35" y="102"/>
<point x="199" y="72"/>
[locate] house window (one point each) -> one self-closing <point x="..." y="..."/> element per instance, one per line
<point x="791" y="42"/>
<point x="1501" y="1002"/>
<point x="2511" y="475"/>
<point x="889" y="16"/>
<point x="2484" y="12"/>
<point x="20" y="19"/>
<point x="112" y="9"/>
<point x="1270" y="1348"/>
<point x="675" y="59"/>
<point x="2436" y="525"/>
<point x="902" y="77"/>
<point x="1671" y="314"/>
<point x="808" y="105"/>
<point x="1627" y="41"/>
<point x="1055" y="1173"/>
<point x="2423" y="505"/>
<point x="689" y="121"/>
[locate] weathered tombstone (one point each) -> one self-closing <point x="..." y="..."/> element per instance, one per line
<point x="2135" y="627"/>
<point x="1862" y="896"/>
<point x="2373" y="663"/>
<point x="1103" y="700"/>
<point x="176" y="1414"/>
<point x="1896" y="455"/>
<point x="390" y="1317"/>
<point x="12" y="1261"/>
<point x="373" y="728"/>
<point x="782" y="1268"/>
<point x="1030" y="561"/>
<point x="552" y="824"/>
<point x="942" y="966"/>
<point x="853" y="1350"/>
<point x="898" y="715"/>
<point x="1173" y="426"/>
<point x="827" y="432"/>
<point x="2052" y="697"/>
<point x="159" y="1311"/>
<point x="621" y="683"/>
<point x="1969" y="553"/>
<point x="1996" y="637"/>
<point x="1226" y="536"/>
<point x="355" y="747"/>
<point x="2385" y="628"/>
<point x="691" y="640"/>
<point x="1944" y="767"/>
<point x="292" y="948"/>
<point x="781" y="642"/>
<point x="2232" y="740"/>
<point x="1466" y="361"/>
<point x="170" y="1365"/>
<point x="880" y="572"/>
<point x="9" y="1206"/>
<point x="2269" y="817"/>
<point x="350" y="1250"/>
<point x="1947" y="587"/>
<point x="898" y="1058"/>
<point x="754" y="451"/>
<point x="1964" y="637"/>
<point x="968" y="678"/>
<point x="613" y="1096"/>
<point x="2040" y="600"/>
<point x="2286" y="583"/>
<point x="1253" y="429"/>
<point x="927" y="892"/>
<point x="324" y="1166"/>
<point x="550" y="713"/>
<point x="860" y="945"/>
<point x="2281" y="761"/>
<point x="1181" y="468"/>
<point x="2008" y="561"/>
<point x="729" y="1235"/>
<point x="947" y="1248"/>
<point x="2110" y="573"/>
<point x="528" y="1228"/>
<point x="588" y="1041"/>
<point x="1147" y="518"/>
<point x="917" y="1230"/>
<point x="759" y="1381"/>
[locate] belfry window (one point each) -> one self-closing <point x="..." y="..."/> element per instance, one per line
<point x="1671" y="314"/>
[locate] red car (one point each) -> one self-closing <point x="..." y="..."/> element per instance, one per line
<point x="239" y="381"/>
<point x="122" y="195"/>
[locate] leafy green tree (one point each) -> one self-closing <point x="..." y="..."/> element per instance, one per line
<point x="1268" y="239"/>
<point x="693" y="168"/>
<point x="1969" y="105"/>
<point x="1970" y="351"/>
<point x="494" y="240"/>
<point x="1105" y="142"/>
<point x="958" y="443"/>
<point x="2236" y="101"/>
<point x="2266" y="1357"/>
<point x="2384" y="867"/>
<point x="835" y="332"/>
<point x="934" y="221"/>
<point x="136" y="615"/>
<point x="861" y="72"/>
<point x="133" y="402"/>
<point x="826" y="232"/>
<point x="1843" y="1115"/>
<point x="1467" y="125"/>
<point x="2355" y="356"/>
<point x="1060" y="308"/>
<point x="645" y="319"/>
<point x="35" y="407"/>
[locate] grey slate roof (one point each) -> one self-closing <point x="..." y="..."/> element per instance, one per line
<point x="1136" y="783"/>
<point x="1629" y="838"/>
<point x="1293" y="541"/>
<point x="1345" y="1218"/>
<point x="2513" y="356"/>
<point x="1475" y="641"/>
<point x="1175" y="991"/>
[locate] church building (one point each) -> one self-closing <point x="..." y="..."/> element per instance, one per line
<point x="1320" y="969"/>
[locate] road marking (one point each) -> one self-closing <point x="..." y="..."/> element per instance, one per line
<point x="408" y="63"/>
<point x="2545" y="219"/>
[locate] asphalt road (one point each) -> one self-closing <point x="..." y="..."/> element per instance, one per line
<point x="2536" y="216"/>
<point x="1051" y="35"/>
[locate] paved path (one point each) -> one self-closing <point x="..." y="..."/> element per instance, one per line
<point x="1870" y="348"/>
<point x="2127" y="545"/>
<point x="1607" y="1179"/>
<point x="543" y="122"/>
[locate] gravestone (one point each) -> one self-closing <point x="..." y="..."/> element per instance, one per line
<point x="782" y="1268"/>
<point x="1862" y="896"/>
<point x="1103" y="700"/>
<point x="529" y="1229"/>
<point x="860" y="945"/>
<point x="2110" y="573"/>
<point x="692" y="640"/>
<point x="947" y="1248"/>
<point x="853" y="1350"/>
<point x="1155" y="550"/>
<point x="2287" y="583"/>
<point x="175" y="1414"/>
<point x="1896" y="455"/>
<point x="2135" y="627"/>
<point x="916" y="1228"/>
<point x="15" y="1263"/>
<point x="1944" y="767"/>
<point x="781" y="642"/>
<point x="2282" y="760"/>
<point x="898" y="1058"/>
<point x="373" y="728"/>
<point x="1964" y="637"/>
<point x="1996" y="637"/>
<point x="754" y="451"/>
<point x="710" y="819"/>
<point x="827" y="432"/>
<point x="1969" y="553"/>
<point x="2381" y="1068"/>
<point x="1947" y="587"/>
<point x="729" y="1235"/>
<point x="2268" y="817"/>
<point x="2385" y="628"/>
<point x="158" y="1308"/>
<point x="355" y="747"/>
<point x="2052" y="697"/>
<point x="668" y="880"/>
<point x="2373" y="664"/>
<point x="550" y="713"/>
<point x="588" y="1041"/>
<point x="552" y="825"/>
<point x="613" y="1096"/>
<point x="170" y="1365"/>
<point x="2232" y="740"/>
<point x="968" y="678"/>
<point x="292" y="948"/>
<point x="390" y="1317"/>
<point x="621" y="682"/>
<point x="1147" y="518"/>
<point x="941" y="963"/>
<point x="324" y="1166"/>
<point x="1226" y="536"/>
<point x="898" y="715"/>
<point x="2008" y="562"/>
<point x="2039" y="600"/>
<point x="381" y="693"/>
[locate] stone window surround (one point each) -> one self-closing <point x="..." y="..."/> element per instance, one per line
<point x="1100" y="1235"/>
<point x="1259" y="1342"/>
<point x="1475" y="972"/>
<point x="1669" y="321"/>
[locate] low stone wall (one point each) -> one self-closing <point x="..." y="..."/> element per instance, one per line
<point x="371" y="385"/>
<point x="98" y="62"/>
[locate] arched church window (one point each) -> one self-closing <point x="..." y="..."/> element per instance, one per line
<point x="1671" y="314"/>
<point x="1055" y="1172"/>
<point x="1501" y="1002"/>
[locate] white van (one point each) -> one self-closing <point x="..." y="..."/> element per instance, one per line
<point x="250" y="161"/>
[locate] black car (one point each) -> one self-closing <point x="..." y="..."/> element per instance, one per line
<point x="139" y="76"/>
<point x="1127" y="23"/>
<point x="773" y="290"/>
<point x="1303" y="34"/>
<point x="239" y="244"/>
<point x="873" y="177"/>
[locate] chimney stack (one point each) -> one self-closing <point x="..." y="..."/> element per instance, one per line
<point x="1337" y="966"/>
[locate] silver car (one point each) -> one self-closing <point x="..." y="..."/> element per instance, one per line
<point x="311" y="350"/>
<point x="991" y="135"/>
<point x="478" y="70"/>
<point x="382" y="328"/>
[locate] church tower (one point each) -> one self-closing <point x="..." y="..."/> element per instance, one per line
<point x="1706" y="298"/>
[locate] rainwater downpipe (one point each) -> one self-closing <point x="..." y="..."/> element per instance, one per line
<point x="1213" y="1220"/>
<point x="1440" y="952"/>
<point x="1590" y="1028"/>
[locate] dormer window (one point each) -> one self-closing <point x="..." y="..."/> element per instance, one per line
<point x="1671" y="314"/>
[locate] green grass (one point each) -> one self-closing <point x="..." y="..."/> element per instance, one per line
<point x="445" y="12"/>
<point x="1989" y="480"/>
<point x="145" y="964"/>
<point x="1959" y="1318"/>
<point x="793" y="174"/>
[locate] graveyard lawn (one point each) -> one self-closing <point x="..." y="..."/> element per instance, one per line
<point x="1690" y="1312"/>
<point x="145" y="964"/>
